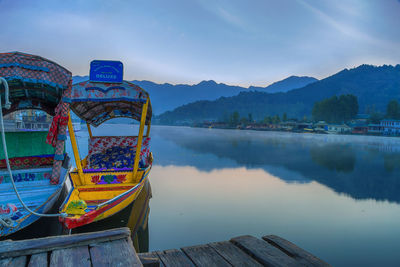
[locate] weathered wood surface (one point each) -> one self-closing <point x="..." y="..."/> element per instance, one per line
<point x="114" y="253"/>
<point x="233" y="254"/>
<point x="150" y="255"/>
<point x="264" y="252"/>
<point x="13" y="262"/>
<point x="149" y="261"/>
<point x="38" y="260"/>
<point x="174" y="258"/>
<point x="27" y="247"/>
<point x="114" y="248"/>
<point x="296" y="252"/>
<point x="71" y="257"/>
<point x="204" y="255"/>
<point x="239" y="251"/>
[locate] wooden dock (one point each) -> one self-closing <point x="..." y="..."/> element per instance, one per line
<point x="246" y="250"/>
<point x="105" y="248"/>
<point x="114" y="248"/>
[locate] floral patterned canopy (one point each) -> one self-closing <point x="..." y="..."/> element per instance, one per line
<point x="34" y="82"/>
<point x="97" y="102"/>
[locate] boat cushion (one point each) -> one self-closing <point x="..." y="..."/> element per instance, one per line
<point x="116" y="152"/>
<point x="28" y="162"/>
<point x="114" y="158"/>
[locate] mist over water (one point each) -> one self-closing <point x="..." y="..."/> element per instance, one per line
<point x="333" y="195"/>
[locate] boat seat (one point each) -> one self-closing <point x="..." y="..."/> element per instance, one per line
<point x="114" y="157"/>
<point x="112" y="152"/>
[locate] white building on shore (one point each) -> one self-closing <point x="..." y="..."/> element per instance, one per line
<point x="391" y="127"/>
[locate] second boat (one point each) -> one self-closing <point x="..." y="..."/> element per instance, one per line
<point x="116" y="168"/>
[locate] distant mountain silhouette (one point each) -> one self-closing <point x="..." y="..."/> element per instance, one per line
<point x="374" y="87"/>
<point x="290" y="83"/>
<point x="167" y="96"/>
<point x="181" y="94"/>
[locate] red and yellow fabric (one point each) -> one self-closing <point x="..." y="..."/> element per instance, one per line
<point x="28" y="162"/>
<point x="61" y="111"/>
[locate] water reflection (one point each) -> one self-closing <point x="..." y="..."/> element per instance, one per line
<point x="192" y="207"/>
<point x="362" y="167"/>
<point x="334" y="157"/>
<point x="335" y="196"/>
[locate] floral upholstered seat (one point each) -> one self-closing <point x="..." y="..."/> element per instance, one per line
<point x="116" y="152"/>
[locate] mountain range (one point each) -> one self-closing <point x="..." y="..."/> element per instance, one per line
<point x="166" y="96"/>
<point x="290" y="83"/>
<point x="374" y="87"/>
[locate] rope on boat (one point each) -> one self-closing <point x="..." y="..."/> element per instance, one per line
<point x="3" y="137"/>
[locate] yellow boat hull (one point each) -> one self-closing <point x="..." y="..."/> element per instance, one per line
<point x="99" y="197"/>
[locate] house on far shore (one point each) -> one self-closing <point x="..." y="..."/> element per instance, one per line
<point x="288" y="125"/>
<point x="338" y="129"/>
<point x="390" y="127"/>
<point x="375" y="129"/>
<point x="359" y="128"/>
<point x="321" y="127"/>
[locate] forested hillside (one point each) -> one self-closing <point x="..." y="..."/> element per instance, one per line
<point x="373" y="86"/>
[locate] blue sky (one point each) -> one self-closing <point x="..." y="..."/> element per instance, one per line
<point x="241" y="42"/>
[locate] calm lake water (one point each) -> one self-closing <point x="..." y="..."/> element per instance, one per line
<point x="335" y="196"/>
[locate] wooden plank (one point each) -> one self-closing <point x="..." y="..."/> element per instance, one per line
<point x="204" y="255"/>
<point x="263" y="252"/>
<point x="149" y="261"/>
<point x="150" y="255"/>
<point x="174" y="258"/>
<point x="5" y="262"/>
<point x="233" y="254"/>
<point x="10" y="249"/>
<point x="38" y="260"/>
<point x="71" y="257"/>
<point x="296" y="252"/>
<point x="13" y="262"/>
<point x="114" y="253"/>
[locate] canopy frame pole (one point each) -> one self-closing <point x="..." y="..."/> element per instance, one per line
<point x="89" y="130"/>
<point x="140" y="138"/>
<point x="148" y="129"/>
<point x="75" y="149"/>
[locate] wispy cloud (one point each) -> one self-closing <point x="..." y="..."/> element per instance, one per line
<point x="224" y="12"/>
<point x="230" y="18"/>
<point x="350" y="31"/>
<point x="342" y="28"/>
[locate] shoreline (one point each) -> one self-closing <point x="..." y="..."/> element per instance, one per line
<point x="291" y="131"/>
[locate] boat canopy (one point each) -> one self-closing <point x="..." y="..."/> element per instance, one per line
<point x="34" y="82"/>
<point x="97" y="102"/>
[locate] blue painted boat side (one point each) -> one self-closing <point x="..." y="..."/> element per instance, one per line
<point x="40" y="196"/>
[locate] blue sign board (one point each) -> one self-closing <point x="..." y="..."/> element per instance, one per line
<point x="106" y="71"/>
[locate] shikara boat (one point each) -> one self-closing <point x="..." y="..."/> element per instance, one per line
<point x="116" y="168"/>
<point x="39" y="170"/>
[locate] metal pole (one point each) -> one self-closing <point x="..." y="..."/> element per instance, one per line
<point x="140" y="138"/>
<point x="75" y="149"/>
<point x="89" y="130"/>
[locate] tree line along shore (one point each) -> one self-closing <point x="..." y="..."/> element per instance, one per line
<point x="334" y="115"/>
